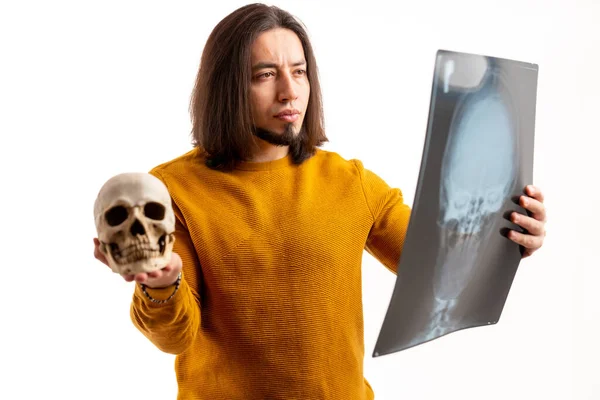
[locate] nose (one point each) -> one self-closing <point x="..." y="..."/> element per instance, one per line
<point x="287" y="91"/>
<point x="137" y="228"/>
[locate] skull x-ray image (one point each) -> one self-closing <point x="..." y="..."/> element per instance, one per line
<point x="477" y="174"/>
<point x="457" y="264"/>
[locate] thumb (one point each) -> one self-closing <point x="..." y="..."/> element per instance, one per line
<point x="98" y="254"/>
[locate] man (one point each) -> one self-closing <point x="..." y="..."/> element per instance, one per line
<point x="270" y="229"/>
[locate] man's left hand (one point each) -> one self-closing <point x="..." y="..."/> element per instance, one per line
<point x="534" y="224"/>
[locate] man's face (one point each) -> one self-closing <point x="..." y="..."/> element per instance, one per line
<point x="280" y="89"/>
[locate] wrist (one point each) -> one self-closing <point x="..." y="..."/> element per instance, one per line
<point x="158" y="287"/>
<point x="163" y="282"/>
<point x="161" y="294"/>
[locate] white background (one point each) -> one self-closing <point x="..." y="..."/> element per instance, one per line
<point x="92" y="89"/>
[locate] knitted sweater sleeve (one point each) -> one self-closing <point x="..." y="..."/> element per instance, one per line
<point x="390" y="218"/>
<point x="172" y="326"/>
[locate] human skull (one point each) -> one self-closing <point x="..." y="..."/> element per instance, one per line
<point x="478" y="173"/>
<point x="135" y="223"/>
<point x="479" y="162"/>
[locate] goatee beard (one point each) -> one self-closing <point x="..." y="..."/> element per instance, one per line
<point x="287" y="138"/>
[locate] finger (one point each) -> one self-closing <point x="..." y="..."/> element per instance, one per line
<point x="155" y="274"/>
<point x="528" y="241"/>
<point x="527" y="253"/>
<point x="537" y="208"/>
<point x="142" y="277"/>
<point x="532" y="225"/>
<point x="535" y="192"/>
<point x="98" y="254"/>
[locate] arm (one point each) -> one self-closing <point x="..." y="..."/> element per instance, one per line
<point x="390" y="219"/>
<point x="172" y="326"/>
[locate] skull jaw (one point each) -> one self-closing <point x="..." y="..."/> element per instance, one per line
<point x="455" y="265"/>
<point x="146" y="264"/>
<point x="459" y="254"/>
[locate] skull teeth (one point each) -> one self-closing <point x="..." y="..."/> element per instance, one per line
<point x="140" y="254"/>
<point x="134" y="253"/>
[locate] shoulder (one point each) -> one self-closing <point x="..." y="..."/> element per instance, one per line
<point x="331" y="162"/>
<point x="179" y="168"/>
<point x="346" y="170"/>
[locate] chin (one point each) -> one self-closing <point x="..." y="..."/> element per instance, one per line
<point x="282" y="129"/>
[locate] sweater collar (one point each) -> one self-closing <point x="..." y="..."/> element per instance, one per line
<point x="266" y="165"/>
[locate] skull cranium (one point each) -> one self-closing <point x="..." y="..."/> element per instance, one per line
<point x="477" y="175"/>
<point x="135" y="223"/>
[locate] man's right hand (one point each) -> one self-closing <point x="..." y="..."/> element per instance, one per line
<point x="155" y="279"/>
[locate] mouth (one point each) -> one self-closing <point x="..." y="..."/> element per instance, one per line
<point x="288" y="115"/>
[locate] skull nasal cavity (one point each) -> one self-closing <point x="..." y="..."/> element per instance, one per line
<point x="137" y="228"/>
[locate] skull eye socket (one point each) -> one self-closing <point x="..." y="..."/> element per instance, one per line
<point x="116" y="215"/>
<point x="155" y="211"/>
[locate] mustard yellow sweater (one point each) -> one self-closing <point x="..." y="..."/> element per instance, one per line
<point x="270" y="306"/>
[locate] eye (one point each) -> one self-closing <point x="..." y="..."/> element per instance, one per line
<point x="301" y="72"/>
<point x="265" y="75"/>
<point x="155" y="211"/>
<point x="116" y="215"/>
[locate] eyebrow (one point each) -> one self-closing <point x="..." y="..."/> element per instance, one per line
<point x="262" y="65"/>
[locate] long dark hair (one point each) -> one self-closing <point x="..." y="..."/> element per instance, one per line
<point x="220" y="106"/>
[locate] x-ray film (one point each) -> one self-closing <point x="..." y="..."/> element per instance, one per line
<point x="457" y="264"/>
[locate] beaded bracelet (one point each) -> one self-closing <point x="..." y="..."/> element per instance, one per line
<point x="177" y="283"/>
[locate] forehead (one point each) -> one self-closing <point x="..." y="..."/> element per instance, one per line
<point x="277" y="45"/>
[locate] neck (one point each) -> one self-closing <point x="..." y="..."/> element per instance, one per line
<point x="265" y="151"/>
